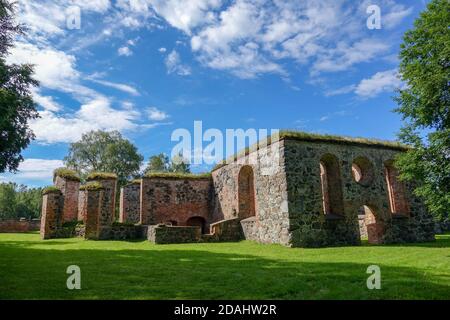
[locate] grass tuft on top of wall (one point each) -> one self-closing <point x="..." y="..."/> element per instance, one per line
<point x="66" y="173"/>
<point x="50" y="189"/>
<point x="313" y="137"/>
<point x="174" y="175"/>
<point x="101" y="176"/>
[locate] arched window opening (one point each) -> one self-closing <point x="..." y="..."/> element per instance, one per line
<point x="197" y="222"/>
<point x="369" y="225"/>
<point x="330" y="177"/>
<point x="396" y="190"/>
<point x="246" y="193"/>
<point x="362" y="171"/>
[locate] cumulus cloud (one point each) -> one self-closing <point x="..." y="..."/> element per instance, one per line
<point x="385" y="81"/>
<point x="156" y="115"/>
<point x="35" y="170"/>
<point x="174" y="65"/>
<point x="95" y="115"/>
<point x="124" y="51"/>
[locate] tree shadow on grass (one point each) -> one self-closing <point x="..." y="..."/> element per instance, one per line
<point x="30" y="272"/>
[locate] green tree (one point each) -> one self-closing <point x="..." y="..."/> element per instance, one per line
<point x="161" y="163"/>
<point x="425" y="106"/>
<point x="107" y="152"/>
<point x="179" y="165"/>
<point x="158" y="163"/>
<point x="16" y="104"/>
<point x="7" y="200"/>
<point x="19" y="201"/>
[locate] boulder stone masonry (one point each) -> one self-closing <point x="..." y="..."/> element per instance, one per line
<point x="69" y="189"/>
<point x="52" y="214"/>
<point x="130" y="204"/>
<point x="298" y="191"/>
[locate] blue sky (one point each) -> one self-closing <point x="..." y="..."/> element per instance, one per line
<point x="148" y="67"/>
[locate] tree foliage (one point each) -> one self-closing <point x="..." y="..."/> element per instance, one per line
<point x="16" y="104"/>
<point x="105" y="152"/>
<point x="18" y="201"/>
<point x="162" y="163"/>
<point x="425" y="106"/>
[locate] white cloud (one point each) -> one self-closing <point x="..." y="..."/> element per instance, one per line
<point x="54" y="69"/>
<point x="385" y="81"/>
<point x="395" y="16"/>
<point x="34" y="169"/>
<point x="124" y="51"/>
<point x="95" y="115"/>
<point x="156" y="115"/>
<point x="162" y="50"/>
<point x="47" y="102"/>
<point x="174" y="65"/>
<point x="186" y="15"/>
<point x="119" y="86"/>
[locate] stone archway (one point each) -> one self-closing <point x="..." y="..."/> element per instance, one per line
<point x="370" y="225"/>
<point x="197" y="222"/>
<point x="246" y="193"/>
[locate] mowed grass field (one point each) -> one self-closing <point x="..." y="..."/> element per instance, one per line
<point x="35" y="269"/>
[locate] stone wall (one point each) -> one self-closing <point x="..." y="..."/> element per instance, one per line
<point x="120" y="231"/>
<point x="226" y="230"/>
<point x="270" y="193"/>
<point x="130" y="203"/>
<point x="19" y="225"/>
<point x="175" y="200"/>
<point x="310" y="225"/>
<point x="69" y="189"/>
<point x="162" y="234"/>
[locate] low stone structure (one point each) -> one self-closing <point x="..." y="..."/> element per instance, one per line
<point x="162" y="234"/>
<point x="19" y="225"/>
<point x="298" y="190"/>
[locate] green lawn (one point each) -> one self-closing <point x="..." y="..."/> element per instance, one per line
<point x="35" y="269"/>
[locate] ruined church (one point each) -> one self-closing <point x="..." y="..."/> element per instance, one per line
<point x="317" y="190"/>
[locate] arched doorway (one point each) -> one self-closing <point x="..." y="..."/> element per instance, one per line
<point x="197" y="222"/>
<point x="246" y="193"/>
<point x="369" y="225"/>
<point x="330" y="178"/>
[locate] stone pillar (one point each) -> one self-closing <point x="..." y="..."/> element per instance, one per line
<point x="68" y="182"/>
<point x="108" y="182"/>
<point x="130" y="202"/>
<point x="145" y="215"/>
<point x="93" y="201"/>
<point x="82" y="205"/>
<point x="51" y="214"/>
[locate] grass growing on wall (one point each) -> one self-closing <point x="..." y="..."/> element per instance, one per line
<point x="34" y="269"/>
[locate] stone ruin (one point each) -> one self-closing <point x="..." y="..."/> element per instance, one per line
<point x="299" y="190"/>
